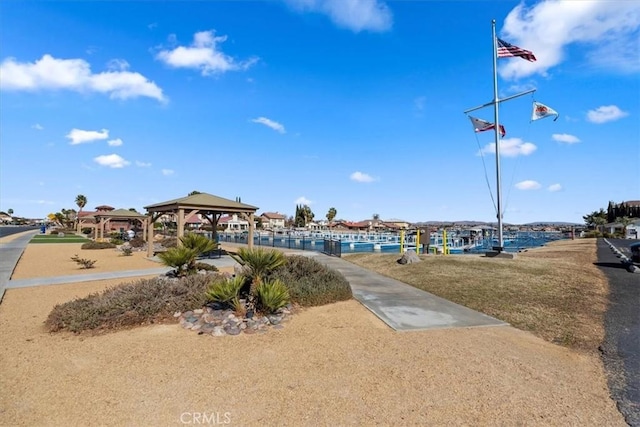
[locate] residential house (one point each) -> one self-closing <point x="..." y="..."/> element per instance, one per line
<point x="5" y="218"/>
<point x="231" y="223"/>
<point x="273" y="220"/>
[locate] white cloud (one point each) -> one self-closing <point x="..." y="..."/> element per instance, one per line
<point x="167" y="172"/>
<point x="547" y="28"/>
<point x="111" y="161"/>
<point x="142" y="164"/>
<point x="565" y="137"/>
<point x="510" y="147"/>
<point x="78" y="136"/>
<point x="115" y="142"/>
<point x="361" y="177"/>
<point x="270" y="123"/>
<point x="303" y="201"/>
<point x="528" y="185"/>
<point x="203" y="55"/>
<point x="37" y="126"/>
<point x="606" y="113"/>
<point x="555" y="187"/>
<point x="420" y="102"/>
<point x="49" y="73"/>
<point x="356" y="15"/>
<point x="118" y="65"/>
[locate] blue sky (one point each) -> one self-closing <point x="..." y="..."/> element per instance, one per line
<point x="356" y="105"/>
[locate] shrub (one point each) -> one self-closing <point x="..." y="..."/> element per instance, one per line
<point x="311" y="283"/>
<point x="127" y="251"/>
<point x="169" y="242"/>
<point x="87" y="230"/>
<point x="137" y="242"/>
<point x="225" y="291"/>
<point x="83" y="262"/>
<point x="272" y="296"/>
<point x="116" y="241"/>
<point x="98" y="245"/>
<point x="65" y="231"/>
<point x="142" y="302"/>
<point x="204" y="266"/>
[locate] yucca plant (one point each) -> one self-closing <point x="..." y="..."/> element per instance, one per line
<point x="179" y="258"/>
<point x="272" y="295"/>
<point x="226" y="291"/>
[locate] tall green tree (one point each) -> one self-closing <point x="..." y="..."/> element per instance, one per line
<point x="10" y="212"/>
<point x="194" y="192"/>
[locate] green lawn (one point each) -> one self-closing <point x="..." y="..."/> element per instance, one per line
<point x="53" y="238"/>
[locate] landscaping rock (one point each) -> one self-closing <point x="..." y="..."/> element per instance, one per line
<point x="409" y="257"/>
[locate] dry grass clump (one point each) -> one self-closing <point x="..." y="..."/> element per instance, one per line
<point x="554" y="292"/>
<point x="137" y="303"/>
<point x="311" y="283"/>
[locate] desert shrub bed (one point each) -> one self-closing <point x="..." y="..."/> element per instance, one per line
<point x="137" y="303"/>
<point x="311" y="283"/>
<point x="98" y="245"/>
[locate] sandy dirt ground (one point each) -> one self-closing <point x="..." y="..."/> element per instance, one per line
<point x="331" y="365"/>
<point x="54" y="259"/>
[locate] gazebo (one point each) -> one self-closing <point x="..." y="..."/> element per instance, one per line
<point x="100" y="219"/>
<point x="207" y="205"/>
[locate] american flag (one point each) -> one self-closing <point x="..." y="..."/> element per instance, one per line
<point x="506" y="50"/>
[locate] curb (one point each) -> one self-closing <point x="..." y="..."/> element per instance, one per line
<point x="631" y="268"/>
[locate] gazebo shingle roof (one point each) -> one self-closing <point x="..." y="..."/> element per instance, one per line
<point x="120" y="213"/>
<point x="202" y="201"/>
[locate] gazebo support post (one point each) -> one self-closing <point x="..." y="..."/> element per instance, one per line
<point x="251" y="227"/>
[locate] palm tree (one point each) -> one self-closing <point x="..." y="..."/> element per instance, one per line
<point x="331" y="216"/>
<point x="10" y="212"/>
<point x="81" y="201"/>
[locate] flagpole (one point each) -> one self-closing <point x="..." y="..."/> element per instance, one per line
<point x="496" y="101"/>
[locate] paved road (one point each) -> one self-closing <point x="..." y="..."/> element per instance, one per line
<point x="10" y="253"/>
<point x="621" y="347"/>
<point x="7" y="230"/>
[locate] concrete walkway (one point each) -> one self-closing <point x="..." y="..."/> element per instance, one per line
<point x="402" y="307"/>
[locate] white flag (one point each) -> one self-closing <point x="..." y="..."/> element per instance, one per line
<point x="540" y="111"/>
